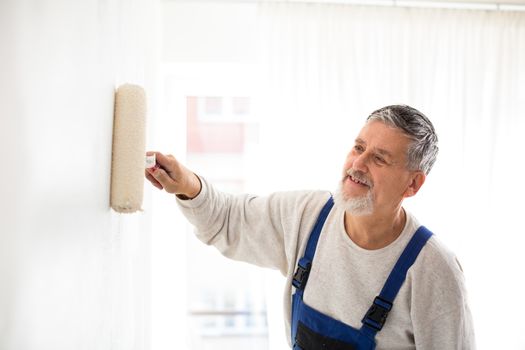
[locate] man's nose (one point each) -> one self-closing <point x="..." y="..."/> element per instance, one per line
<point x="361" y="163"/>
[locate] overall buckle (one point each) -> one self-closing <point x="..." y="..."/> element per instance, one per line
<point x="377" y="314"/>
<point x="300" y="276"/>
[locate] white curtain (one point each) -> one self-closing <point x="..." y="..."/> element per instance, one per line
<point x="326" y="67"/>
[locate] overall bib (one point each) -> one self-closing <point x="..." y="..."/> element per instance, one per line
<point x="312" y="330"/>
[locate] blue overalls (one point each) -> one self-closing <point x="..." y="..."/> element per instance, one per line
<point x="312" y="330"/>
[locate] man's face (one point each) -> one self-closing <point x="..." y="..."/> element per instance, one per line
<point x="375" y="176"/>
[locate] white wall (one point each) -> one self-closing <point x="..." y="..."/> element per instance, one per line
<point x="73" y="274"/>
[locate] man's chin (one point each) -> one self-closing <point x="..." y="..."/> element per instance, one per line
<point x="354" y="205"/>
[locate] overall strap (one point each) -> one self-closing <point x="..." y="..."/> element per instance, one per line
<point x="376" y="316"/>
<point x="305" y="263"/>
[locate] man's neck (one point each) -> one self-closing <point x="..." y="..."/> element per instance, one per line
<point x="375" y="231"/>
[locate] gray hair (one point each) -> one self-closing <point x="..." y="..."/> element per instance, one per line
<point x="423" y="150"/>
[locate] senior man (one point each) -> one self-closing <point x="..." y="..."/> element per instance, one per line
<point x="362" y="272"/>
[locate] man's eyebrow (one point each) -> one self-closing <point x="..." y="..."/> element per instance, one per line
<point x="384" y="152"/>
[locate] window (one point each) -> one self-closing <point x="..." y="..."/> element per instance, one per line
<point x="226" y="301"/>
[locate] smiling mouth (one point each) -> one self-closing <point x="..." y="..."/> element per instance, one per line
<point x="358" y="181"/>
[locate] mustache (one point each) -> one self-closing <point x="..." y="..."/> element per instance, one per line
<point x="359" y="176"/>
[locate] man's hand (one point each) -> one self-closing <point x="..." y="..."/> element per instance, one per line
<point x="173" y="177"/>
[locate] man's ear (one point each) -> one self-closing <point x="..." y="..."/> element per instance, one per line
<point x="417" y="180"/>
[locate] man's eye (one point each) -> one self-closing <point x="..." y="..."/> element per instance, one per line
<point x="380" y="160"/>
<point x="358" y="148"/>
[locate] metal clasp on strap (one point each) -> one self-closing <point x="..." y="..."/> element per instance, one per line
<point x="377" y="314"/>
<point x="301" y="274"/>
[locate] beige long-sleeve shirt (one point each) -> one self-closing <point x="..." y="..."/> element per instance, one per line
<point x="430" y="311"/>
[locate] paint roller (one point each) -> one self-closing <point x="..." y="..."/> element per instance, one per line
<point x="129" y="148"/>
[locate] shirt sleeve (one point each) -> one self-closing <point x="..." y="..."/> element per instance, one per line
<point x="440" y="312"/>
<point x="261" y="230"/>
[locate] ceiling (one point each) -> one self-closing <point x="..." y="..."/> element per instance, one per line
<point x="501" y="2"/>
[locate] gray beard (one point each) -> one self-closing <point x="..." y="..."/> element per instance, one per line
<point x="359" y="206"/>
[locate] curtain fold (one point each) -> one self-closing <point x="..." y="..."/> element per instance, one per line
<point x="327" y="66"/>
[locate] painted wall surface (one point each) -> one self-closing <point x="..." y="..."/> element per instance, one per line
<point x="73" y="274"/>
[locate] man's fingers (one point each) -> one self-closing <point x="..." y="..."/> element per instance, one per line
<point x="158" y="175"/>
<point x="153" y="181"/>
<point x="162" y="178"/>
<point x="167" y="174"/>
<point x="167" y="162"/>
